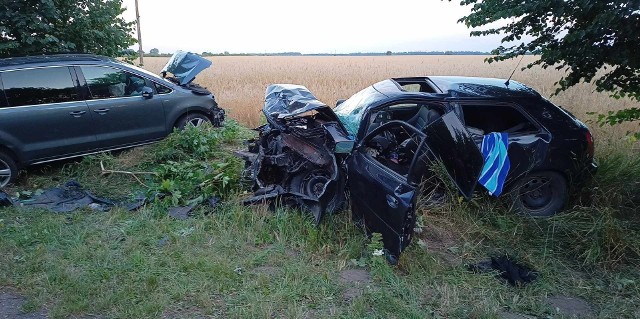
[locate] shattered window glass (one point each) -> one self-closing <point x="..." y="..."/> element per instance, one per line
<point x="350" y="112"/>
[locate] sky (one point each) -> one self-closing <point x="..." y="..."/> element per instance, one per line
<point x="307" y="26"/>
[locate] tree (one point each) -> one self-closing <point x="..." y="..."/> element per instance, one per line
<point x="55" y="26"/>
<point x="594" y="41"/>
<point x="154" y="51"/>
<point x="389" y="53"/>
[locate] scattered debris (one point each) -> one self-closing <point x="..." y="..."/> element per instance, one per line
<point x="514" y="273"/>
<point x="71" y="196"/>
<point x="182" y="212"/>
<point x="104" y="171"/>
<point x="5" y="200"/>
<point x="66" y="199"/>
<point x="214" y="201"/>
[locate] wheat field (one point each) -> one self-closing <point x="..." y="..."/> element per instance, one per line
<point x="238" y="82"/>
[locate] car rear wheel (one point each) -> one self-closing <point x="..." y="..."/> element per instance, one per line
<point x="540" y="194"/>
<point x="193" y="119"/>
<point x="8" y="169"/>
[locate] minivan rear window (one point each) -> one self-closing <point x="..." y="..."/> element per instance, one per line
<point x="39" y="86"/>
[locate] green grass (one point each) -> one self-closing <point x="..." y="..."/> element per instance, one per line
<point x="248" y="262"/>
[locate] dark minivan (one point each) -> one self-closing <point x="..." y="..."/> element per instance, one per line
<point x="61" y="106"/>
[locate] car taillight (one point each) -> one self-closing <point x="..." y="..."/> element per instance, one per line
<point x="590" y="147"/>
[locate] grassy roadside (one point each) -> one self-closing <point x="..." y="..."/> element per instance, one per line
<point x="238" y="262"/>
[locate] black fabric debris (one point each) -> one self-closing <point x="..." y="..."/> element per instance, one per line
<point x="214" y="201"/>
<point x="513" y="272"/>
<point x="71" y="196"/>
<point x="66" y="199"/>
<point x="5" y="200"/>
<point x="182" y="212"/>
<point x="137" y="203"/>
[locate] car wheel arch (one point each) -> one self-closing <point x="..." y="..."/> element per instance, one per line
<point x="187" y="113"/>
<point x="514" y="191"/>
<point x="13" y="154"/>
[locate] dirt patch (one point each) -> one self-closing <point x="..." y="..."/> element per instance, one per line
<point x="570" y="306"/>
<point x="440" y="242"/>
<point x="11" y="306"/>
<point x="355" y="281"/>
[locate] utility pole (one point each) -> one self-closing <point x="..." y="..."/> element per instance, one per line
<point x="140" y="51"/>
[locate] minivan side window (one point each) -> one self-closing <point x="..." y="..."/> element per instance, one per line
<point x="39" y="86"/>
<point x="105" y="82"/>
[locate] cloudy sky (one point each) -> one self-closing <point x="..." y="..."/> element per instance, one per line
<point x="327" y="26"/>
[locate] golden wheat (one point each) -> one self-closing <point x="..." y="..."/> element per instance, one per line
<point x="239" y="82"/>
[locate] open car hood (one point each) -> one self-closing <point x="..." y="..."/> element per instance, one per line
<point x="185" y="66"/>
<point x="290" y="100"/>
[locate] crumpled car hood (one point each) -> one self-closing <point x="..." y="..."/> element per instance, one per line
<point x="289" y="100"/>
<point x="185" y="66"/>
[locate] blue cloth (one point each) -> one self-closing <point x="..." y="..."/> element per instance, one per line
<point x="496" y="162"/>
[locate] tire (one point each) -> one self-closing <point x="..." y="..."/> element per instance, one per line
<point x="540" y="194"/>
<point x="8" y="169"/>
<point x="309" y="182"/>
<point x="195" y="119"/>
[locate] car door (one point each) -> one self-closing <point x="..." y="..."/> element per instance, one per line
<point x="45" y="116"/>
<point x="122" y="115"/>
<point x="528" y="140"/>
<point x="386" y="200"/>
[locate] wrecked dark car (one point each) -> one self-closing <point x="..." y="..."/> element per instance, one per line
<point x="380" y="144"/>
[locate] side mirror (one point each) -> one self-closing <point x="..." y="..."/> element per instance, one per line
<point x="338" y="102"/>
<point x="147" y="92"/>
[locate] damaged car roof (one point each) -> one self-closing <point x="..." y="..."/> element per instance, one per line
<point x="459" y="86"/>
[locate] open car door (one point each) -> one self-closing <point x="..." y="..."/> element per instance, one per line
<point x="385" y="198"/>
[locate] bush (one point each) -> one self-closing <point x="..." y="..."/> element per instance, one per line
<point x="191" y="165"/>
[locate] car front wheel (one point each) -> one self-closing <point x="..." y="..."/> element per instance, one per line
<point x="540" y="194"/>
<point x="8" y="169"/>
<point x="194" y="119"/>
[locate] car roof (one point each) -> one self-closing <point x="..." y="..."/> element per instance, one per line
<point x="460" y="86"/>
<point x="53" y="58"/>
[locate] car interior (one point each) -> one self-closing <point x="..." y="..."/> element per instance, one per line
<point x="396" y="147"/>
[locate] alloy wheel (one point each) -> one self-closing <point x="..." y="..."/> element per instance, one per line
<point x="5" y="173"/>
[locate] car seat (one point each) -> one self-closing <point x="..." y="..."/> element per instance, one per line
<point x="424" y="117"/>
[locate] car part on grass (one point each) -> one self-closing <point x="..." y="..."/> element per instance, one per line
<point x="385" y="139"/>
<point x="513" y="272"/>
<point x="5" y="200"/>
<point x="70" y="197"/>
<point x="66" y="199"/>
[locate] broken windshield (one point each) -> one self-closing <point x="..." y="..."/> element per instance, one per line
<point x="350" y="112"/>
